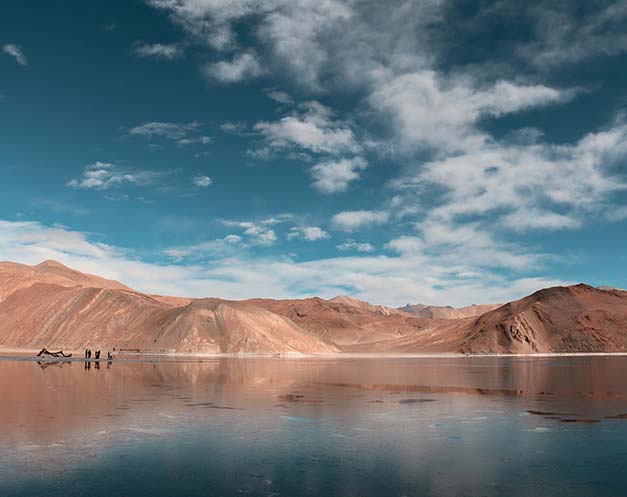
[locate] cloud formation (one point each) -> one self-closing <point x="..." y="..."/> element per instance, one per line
<point x="16" y="52"/>
<point x="311" y="128"/>
<point x="334" y="176"/>
<point x="158" y="50"/>
<point x="308" y="233"/>
<point x="428" y="112"/>
<point x="353" y="220"/>
<point x="202" y="181"/>
<point x="243" y="66"/>
<point x="182" y="133"/>
<point x="104" y="175"/>
<point x="351" y="244"/>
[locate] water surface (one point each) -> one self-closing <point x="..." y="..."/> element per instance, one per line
<point x="348" y="427"/>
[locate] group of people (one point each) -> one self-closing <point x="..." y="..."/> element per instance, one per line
<point x="97" y="355"/>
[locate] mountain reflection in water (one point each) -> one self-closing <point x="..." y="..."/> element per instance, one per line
<point x="404" y="426"/>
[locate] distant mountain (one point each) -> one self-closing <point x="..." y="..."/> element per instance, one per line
<point x="53" y="306"/>
<point x="344" y="321"/>
<point x="447" y="312"/>
<point x="366" y="306"/>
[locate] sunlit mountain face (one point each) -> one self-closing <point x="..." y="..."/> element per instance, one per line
<point x="437" y="152"/>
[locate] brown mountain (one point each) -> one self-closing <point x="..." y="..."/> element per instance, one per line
<point x="52" y="306"/>
<point x="345" y="324"/>
<point x="577" y="318"/>
<point x="367" y="306"/>
<point x="56" y="307"/>
<point x="15" y="276"/>
<point x="447" y="312"/>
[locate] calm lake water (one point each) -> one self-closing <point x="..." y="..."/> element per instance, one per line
<point x="346" y="427"/>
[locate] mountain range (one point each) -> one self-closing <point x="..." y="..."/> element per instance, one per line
<point x="53" y="306"/>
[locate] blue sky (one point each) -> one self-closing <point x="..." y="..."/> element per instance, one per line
<point x="419" y="151"/>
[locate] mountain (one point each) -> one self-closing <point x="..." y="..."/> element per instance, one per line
<point x="345" y="324"/>
<point x="447" y="312"/>
<point x="53" y="306"/>
<point x="577" y="318"/>
<point x="56" y="307"/>
<point x="14" y="276"/>
<point x="367" y="306"/>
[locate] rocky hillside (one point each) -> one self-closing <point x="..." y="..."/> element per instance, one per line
<point x="578" y="318"/>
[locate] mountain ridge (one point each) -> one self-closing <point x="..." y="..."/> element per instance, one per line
<point x="51" y="305"/>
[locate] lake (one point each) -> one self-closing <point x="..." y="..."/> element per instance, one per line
<point x="456" y="426"/>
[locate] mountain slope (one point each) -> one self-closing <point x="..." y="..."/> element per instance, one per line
<point x="343" y="324"/>
<point x="16" y="276"/>
<point x="67" y="315"/>
<point x="578" y="318"/>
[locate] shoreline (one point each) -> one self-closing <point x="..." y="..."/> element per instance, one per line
<point x="15" y="353"/>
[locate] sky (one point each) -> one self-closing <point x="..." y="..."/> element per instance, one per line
<point x="434" y="151"/>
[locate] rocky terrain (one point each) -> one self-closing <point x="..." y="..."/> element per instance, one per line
<point x="578" y="318"/>
<point x="52" y="306"/>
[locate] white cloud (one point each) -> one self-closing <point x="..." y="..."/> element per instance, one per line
<point x="278" y="219"/>
<point x="334" y="176"/>
<point x="618" y="214"/>
<point x="428" y="111"/>
<point x="222" y="247"/>
<point x="255" y="233"/>
<point x="408" y="245"/>
<point x="16" y="52"/>
<point x="232" y="239"/>
<point x="233" y="127"/>
<point x="312" y="128"/>
<point x="243" y="66"/>
<point x="170" y="130"/>
<point x="378" y="279"/>
<point x="158" y="50"/>
<point x="532" y="218"/>
<point x="565" y="33"/>
<point x="353" y="245"/>
<point x="290" y="29"/>
<point x="202" y="181"/>
<point x="309" y="233"/>
<point x="280" y="97"/>
<point x="104" y="175"/>
<point x="210" y="21"/>
<point x="294" y="30"/>
<point x="202" y="140"/>
<point x="529" y="186"/>
<point x="184" y="134"/>
<point x="354" y="220"/>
